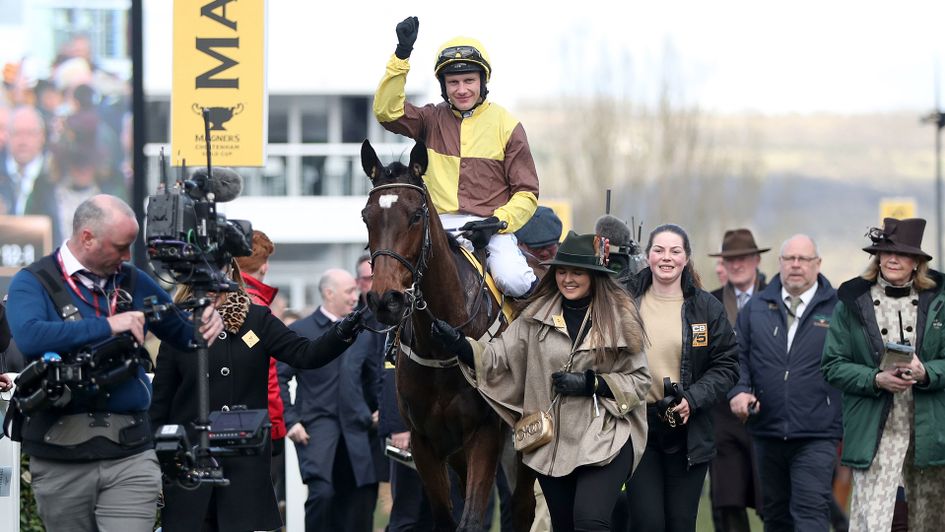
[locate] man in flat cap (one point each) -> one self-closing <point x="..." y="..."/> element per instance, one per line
<point x="735" y="482"/>
<point x="539" y="236"/>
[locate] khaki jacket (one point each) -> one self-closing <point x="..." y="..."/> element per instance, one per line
<point x="513" y="372"/>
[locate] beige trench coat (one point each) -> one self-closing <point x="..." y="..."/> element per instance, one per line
<point x="513" y="372"/>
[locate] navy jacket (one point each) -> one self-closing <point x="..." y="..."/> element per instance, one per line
<point x="330" y="402"/>
<point x="796" y="401"/>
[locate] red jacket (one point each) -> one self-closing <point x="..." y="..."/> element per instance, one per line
<point x="263" y="294"/>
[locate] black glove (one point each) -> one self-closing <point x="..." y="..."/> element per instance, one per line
<point x="446" y="337"/>
<point x="574" y="383"/>
<point x="406" y="36"/>
<point x="348" y="328"/>
<point x="480" y="231"/>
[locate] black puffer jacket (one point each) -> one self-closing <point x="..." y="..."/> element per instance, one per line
<point x="709" y="365"/>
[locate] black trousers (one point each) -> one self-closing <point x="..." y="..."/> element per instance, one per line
<point x="797" y="482"/>
<point x="410" y="510"/>
<point x="341" y="505"/>
<point x="584" y="499"/>
<point x="664" y="493"/>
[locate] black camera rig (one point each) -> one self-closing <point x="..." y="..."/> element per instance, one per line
<point x="54" y="379"/>
<point x="189" y="240"/>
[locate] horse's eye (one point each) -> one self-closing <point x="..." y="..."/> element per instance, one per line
<point x="417" y="216"/>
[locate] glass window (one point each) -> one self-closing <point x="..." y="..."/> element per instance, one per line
<point x="354" y="118"/>
<point x="158" y="121"/>
<point x="315" y="127"/>
<point x="313" y="176"/>
<point x="278" y="126"/>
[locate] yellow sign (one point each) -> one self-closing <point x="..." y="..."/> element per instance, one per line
<point x="898" y="208"/>
<point x="220" y="70"/>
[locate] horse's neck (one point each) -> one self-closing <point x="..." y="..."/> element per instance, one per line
<point x="442" y="287"/>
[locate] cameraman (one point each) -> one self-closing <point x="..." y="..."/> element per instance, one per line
<point x="92" y="461"/>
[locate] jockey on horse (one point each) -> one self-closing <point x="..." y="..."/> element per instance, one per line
<point x="481" y="175"/>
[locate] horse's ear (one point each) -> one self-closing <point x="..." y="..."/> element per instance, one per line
<point x="418" y="159"/>
<point x="369" y="161"/>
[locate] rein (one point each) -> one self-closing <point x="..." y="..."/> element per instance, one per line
<point x="414" y="294"/>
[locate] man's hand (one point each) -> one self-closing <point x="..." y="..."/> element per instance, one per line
<point x="211" y="325"/>
<point x="743" y="405"/>
<point x="375" y="418"/>
<point x="5" y="382"/>
<point x="479" y="232"/>
<point x="298" y="434"/>
<point x="895" y="380"/>
<point x="349" y="327"/>
<point x="132" y="322"/>
<point x="915" y="370"/>
<point x="573" y="383"/>
<point x="401" y="440"/>
<point x="407" y="31"/>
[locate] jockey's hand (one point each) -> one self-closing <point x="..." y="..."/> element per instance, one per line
<point x="348" y="328"/>
<point x="406" y="35"/>
<point x="479" y="232"/>
<point x="573" y="383"/>
<point x="447" y="338"/>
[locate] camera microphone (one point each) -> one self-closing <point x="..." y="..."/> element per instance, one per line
<point x="614" y="229"/>
<point x="224" y="183"/>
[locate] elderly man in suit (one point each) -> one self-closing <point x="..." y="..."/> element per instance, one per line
<point x="330" y="419"/>
<point x="735" y="482"/>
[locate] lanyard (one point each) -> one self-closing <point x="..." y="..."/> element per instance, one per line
<point x="94" y="304"/>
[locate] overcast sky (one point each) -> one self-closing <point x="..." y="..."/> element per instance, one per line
<point x="801" y="56"/>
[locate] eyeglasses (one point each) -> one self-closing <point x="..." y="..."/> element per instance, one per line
<point x="798" y="258"/>
<point x="366" y="278"/>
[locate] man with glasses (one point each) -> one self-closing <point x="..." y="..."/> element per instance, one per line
<point x="481" y="174"/>
<point x="795" y="415"/>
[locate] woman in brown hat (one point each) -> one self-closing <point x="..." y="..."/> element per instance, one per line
<point x="884" y="351"/>
<point x="576" y="351"/>
<point x="693" y="360"/>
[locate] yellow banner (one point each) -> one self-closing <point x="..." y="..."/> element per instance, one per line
<point x="220" y="68"/>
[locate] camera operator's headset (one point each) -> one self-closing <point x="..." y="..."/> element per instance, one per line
<point x="47" y="272"/>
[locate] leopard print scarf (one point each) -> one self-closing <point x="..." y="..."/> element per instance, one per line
<point x="234" y="310"/>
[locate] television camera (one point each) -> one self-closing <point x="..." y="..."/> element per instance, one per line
<point x="194" y="244"/>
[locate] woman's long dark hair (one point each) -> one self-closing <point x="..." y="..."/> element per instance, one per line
<point x="610" y="304"/>
<point x="681" y="233"/>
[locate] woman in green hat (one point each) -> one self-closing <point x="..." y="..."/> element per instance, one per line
<point x="577" y="352"/>
<point x="694" y="362"/>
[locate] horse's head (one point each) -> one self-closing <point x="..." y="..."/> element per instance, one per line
<point x="397" y="216"/>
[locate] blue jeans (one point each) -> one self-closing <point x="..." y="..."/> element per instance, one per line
<point x="797" y="481"/>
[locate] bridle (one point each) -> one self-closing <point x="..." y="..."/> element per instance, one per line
<point x="414" y="295"/>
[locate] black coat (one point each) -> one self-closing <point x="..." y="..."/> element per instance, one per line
<point x="249" y="502"/>
<point x="708" y="366"/>
<point x="334" y="403"/>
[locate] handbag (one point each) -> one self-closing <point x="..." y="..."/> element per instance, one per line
<point x="533" y="431"/>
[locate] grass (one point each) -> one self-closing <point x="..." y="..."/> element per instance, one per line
<point x="703" y="522"/>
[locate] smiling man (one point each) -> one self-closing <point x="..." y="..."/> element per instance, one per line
<point x="481" y="171"/>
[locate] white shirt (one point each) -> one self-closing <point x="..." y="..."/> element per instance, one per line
<point x="24" y="181"/>
<point x="738" y="295"/>
<point x="801" y="307"/>
<point x="73" y="266"/>
<point x="327" y="314"/>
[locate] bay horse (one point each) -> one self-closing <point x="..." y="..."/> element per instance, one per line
<point x="417" y="276"/>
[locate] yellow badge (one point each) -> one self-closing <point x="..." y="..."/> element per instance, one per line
<point x="250" y="339"/>
<point x="558" y="321"/>
<point x="700" y="335"/>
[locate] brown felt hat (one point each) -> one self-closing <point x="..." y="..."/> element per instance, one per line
<point x="738" y="243"/>
<point x="898" y="236"/>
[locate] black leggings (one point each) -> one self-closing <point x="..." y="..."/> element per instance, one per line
<point x="664" y="493"/>
<point x="584" y="498"/>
